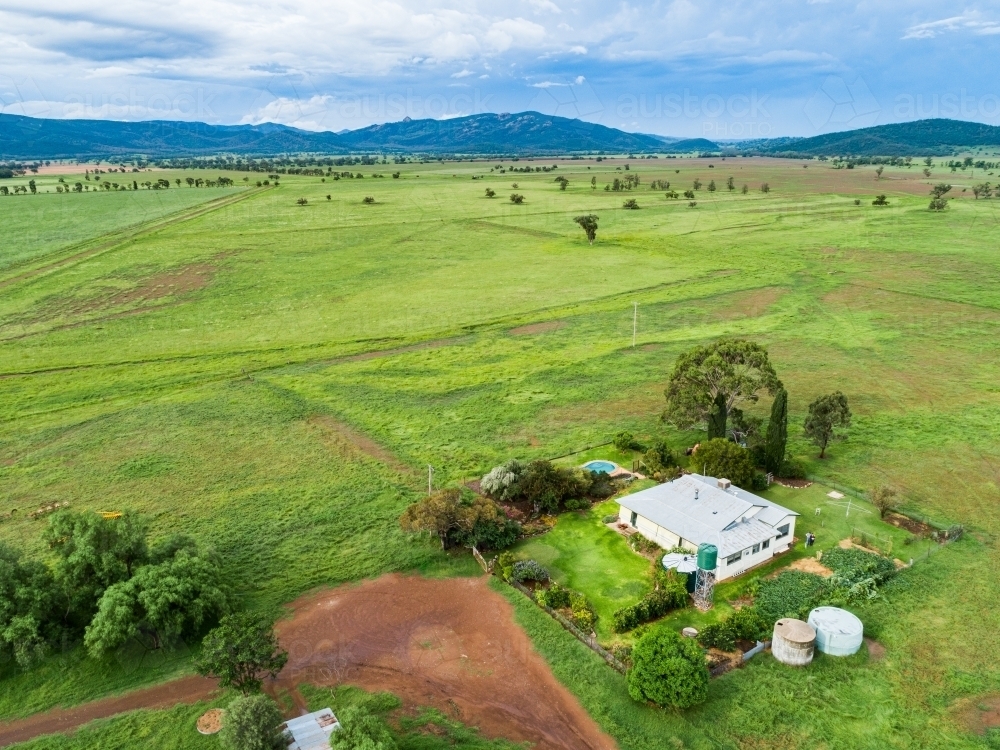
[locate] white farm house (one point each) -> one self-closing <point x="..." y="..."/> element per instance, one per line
<point x="696" y="509"/>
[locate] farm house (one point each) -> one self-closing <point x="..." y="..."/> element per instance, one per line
<point x="694" y="509"/>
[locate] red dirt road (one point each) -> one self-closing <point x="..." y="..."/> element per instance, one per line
<point x="185" y="690"/>
<point x="449" y="643"/>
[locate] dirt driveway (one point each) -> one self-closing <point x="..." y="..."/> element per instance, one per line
<point x="448" y="643"/>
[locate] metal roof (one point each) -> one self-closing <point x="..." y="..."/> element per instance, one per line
<point x="696" y="509"/>
<point x="312" y="731"/>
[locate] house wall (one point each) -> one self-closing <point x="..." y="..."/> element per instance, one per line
<point x="747" y="560"/>
<point x="655" y="533"/>
<point x="785" y="541"/>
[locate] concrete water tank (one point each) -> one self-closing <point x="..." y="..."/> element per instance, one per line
<point x="838" y="632"/>
<point x="793" y="642"/>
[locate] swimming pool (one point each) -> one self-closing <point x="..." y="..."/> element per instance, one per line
<point x="600" y="467"/>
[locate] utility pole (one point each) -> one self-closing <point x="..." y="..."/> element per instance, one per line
<point x="635" y="320"/>
<point x="430" y="479"/>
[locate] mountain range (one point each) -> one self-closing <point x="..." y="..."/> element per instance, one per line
<point x="524" y="133"/>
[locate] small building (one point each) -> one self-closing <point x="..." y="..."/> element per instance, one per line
<point x="312" y="731"/>
<point x="694" y="509"/>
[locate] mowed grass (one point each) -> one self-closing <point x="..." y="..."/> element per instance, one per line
<point x="275" y="378"/>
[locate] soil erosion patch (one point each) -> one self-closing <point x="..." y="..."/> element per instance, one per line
<point x="450" y="643"/>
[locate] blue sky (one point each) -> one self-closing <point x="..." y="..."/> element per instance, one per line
<point x="715" y="69"/>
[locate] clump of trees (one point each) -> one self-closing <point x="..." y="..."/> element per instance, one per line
<point x="720" y="457"/>
<point x="491" y="193"/>
<point x="241" y="652"/>
<point x="252" y="724"/>
<point x="631" y="204"/>
<point x="880" y="200"/>
<point x="108" y="585"/>
<point x="547" y="487"/>
<point x="516" y="198"/>
<point x="461" y="519"/>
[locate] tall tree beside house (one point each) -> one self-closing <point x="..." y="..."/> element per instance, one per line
<point x="777" y="433"/>
<point x="826" y="415"/>
<point x="708" y="381"/>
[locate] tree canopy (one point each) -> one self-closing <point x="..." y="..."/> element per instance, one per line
<point x="28" y="607"/>
<point x="361" y="730"/>
<point x="588" y="222"/>
<point x="708" y="381"/>
<point x="668" y="670"/>
<point x="252" y="724"/>
<point x="826" y="415"/>
<point x="241" y="652"/>
<point x="455" y="520"/>
<point x="719" y="457"/>
<point x="777" y="433"/>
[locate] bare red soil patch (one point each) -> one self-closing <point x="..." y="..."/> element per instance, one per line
<point x="450" y="643"/>
<point x="980" y="713"/>
<point x="186" y="690"/>
<point x="533" y="328"/>
<point x="811" y="565"/>
<point x="911" y="525"/>
<point x="795" y="484"/>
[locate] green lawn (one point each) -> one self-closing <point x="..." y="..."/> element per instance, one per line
<point x="204" y="372"/>
<point x="585" y="555"/>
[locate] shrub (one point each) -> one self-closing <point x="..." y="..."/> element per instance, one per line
<point x="504" y="566"/>
<point x="361" y="730"/>
<point x="880" y="200"/>
<point x="613" y="518"/>
<point x="368" y="199"/>
<point x="583" y="612"/>
<point x="744" y="624"/>
<point x="668" y="670"/>
<point x="938" y="204"/>
<point x="852" y="566"/>
<point x="653" y="605"/>
<point x="717" y="635"/>
<point x="528" y="570"/>
<point x="252" y="724"/>
<point x="631" y="203"/>
<point x="516" y="198"/>
<point x="758" y="482"/>
<point x="791" y="594"/>
<point x="792" y="469"/>
<point x="719" y="457"/>
<point x="302" y="201"/>
<point x="625" y="441"/>
<point x="501" y="481"/>
<point x="555" y="596"/>
<point x="580" y="503"/>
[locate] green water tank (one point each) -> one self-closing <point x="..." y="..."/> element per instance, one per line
<point x="708" y="556"/>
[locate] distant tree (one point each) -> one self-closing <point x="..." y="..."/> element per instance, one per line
<point x="514" y="185"/>
<point x="692" y="204"/>
<point x="885" y="499"/>
<point x="631" y="204"/>
<point x="668" y="670"/>
<point x="697" y="184"/>
<point x="361" y="730"/>
<point x="689" y="194"/>
<point x="328" y="196"/>
<point x="588" y="222"/>
<point x="826" y="415"/>
<point x="765" y="188"/>
<point x="455" y="521"/>
<point x="927" y="172"/>
<point x="162" y="602"/>
<point x="178" y="181"/>
<point x="490" y="193"/>
<point x="593" y="182"/>
<point x="563" y="182"/>
<point x="516" y="198"/>
<point x="880" y="200"/>
<point x="878" y="172"/>
<point x="857" y="201"/>
<point x="980" y="191"/>
<point x="94" y="553"/>
<point x="711" y="186"/>
<point x="241" y="652"/>
<point x="32" y="187"/>
<point x="940" y="189"/>
<point x="440" y="513"/>
<point x="746" y="189"/>
<point x="938" y="204"/>
<point x="731" y="184"/>
<point x="304" y="201"/>
<point x="368" y="200"/>
<point x="708" y="381"/>
<point x="719" y="457"/>
<point x="252" y="724"/>
<point x="777" y="433"/>
<point x="929" y="161"/>
<point x="671" y="194"/>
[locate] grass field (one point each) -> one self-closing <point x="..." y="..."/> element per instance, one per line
<point x="275" y="378"/>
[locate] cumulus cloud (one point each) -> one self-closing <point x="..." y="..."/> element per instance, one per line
<point x="969" y="22"/>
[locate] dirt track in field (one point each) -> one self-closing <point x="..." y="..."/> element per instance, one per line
<point x="185" y="690"/>
<point x="449" y="643"/>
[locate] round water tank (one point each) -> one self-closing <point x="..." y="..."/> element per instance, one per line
<point x="708" y="556"/>
<point x="838" y="632"/>
<point x="793" y="642"/>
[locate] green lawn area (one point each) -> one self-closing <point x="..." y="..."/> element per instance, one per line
<point x="585" y="555"/>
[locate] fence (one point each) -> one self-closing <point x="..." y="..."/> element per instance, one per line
<point x="487" y="566"/>
<point x="585" y="639"/>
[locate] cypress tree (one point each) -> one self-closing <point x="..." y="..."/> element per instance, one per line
<point x="717" y="418"/>
<point x="777" y="433"/>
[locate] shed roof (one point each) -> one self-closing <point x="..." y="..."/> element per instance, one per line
<point x="312" y="731"/>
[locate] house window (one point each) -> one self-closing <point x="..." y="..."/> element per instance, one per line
<point x="765" y="544"/>
<point x="633" y="518"/>
<point x="732" y="559"/>
<point x="782" y="531"/>
<point x="756" y="549"/>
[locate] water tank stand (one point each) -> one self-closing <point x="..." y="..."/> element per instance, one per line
<point x="704" y="589"/>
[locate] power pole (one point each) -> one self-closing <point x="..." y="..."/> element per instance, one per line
<point x="635" y="320"/>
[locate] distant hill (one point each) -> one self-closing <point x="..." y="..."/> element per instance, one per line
<point x="691" y="144"/>
<point x="525" y="133"/>
<point x="918" y="138"/>
<point x="33" y="138"/>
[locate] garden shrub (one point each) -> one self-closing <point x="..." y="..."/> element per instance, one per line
<point x="717" y="635"/>
<point x="639" y="543"/>
<point x="625" y="441"/>
<point x="744" y="624"/>
<point x="613" y="518"/>
<point x="577" y="503"/>
<point x="660" y="460"/>
<point x="252" y="724"/>
<point x="504" y="565"/>
<point x="501" y="481"/>
<point x="853" y="565"/>
<point x="653" y="605"/>
<point x="758" y="482"/>
<point x="668" y="670"/>
<point x="554" y="597"/>
<point x="792" y="469"/>
<point x="583" y="612"/>
<point x="723" y="458"/>
<point x="361" y="730"/>
<point x="528" y="570"/>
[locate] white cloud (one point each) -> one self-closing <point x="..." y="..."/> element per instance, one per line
<point x="464" y="73"/>
<point x="969" y="22"/>
<point x="546" y="5"/>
